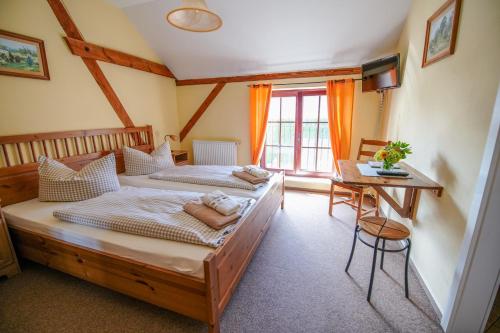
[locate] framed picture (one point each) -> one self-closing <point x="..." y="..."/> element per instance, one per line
<point x="441" y="32"/>
<point x="22" y="56"/>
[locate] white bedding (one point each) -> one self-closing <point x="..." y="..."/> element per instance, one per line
<point x="151" y="213"/>
<point x="145" y="181"/>
<point x="212" y="175"/>
<point x="36" y="216"/>
<point x="185" y="258"/>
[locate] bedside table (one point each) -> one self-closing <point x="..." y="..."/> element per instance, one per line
<point x="180" y="157"/>
<point x="8" y="261"/>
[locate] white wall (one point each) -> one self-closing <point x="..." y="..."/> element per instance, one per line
<point x="444" y="112"/>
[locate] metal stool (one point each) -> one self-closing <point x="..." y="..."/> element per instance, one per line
<point x="383" y="229"/>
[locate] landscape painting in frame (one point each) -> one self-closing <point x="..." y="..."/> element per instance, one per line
<point x="22" y="56"/>
<point x="441" y="32"/>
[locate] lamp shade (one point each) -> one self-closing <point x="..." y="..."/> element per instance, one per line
<point x="194" y="15"/>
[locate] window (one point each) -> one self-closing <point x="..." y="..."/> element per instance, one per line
<point x="297" y="137"/>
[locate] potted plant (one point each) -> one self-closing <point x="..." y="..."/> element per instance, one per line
<point x="392" y="154"/>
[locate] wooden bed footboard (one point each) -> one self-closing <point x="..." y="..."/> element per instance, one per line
<point x="164" y="288"/>
<point x="201" y="299"/>
<point x="225" y="267"/>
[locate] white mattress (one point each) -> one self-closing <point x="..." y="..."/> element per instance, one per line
<point x="36" y="216"/>
<point x="145" y="181"/>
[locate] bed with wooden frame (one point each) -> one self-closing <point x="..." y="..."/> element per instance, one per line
<point x="201" y="299"/>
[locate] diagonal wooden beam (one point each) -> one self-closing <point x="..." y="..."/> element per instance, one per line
<point x="64" y="19"/>
<point x="272" y="76"/>
<point x="203" y="107"/>
<point x="91" y="51"/>
<point x="72" y="31"/>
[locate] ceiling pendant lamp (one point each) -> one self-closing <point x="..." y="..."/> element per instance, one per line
<point x="194" y="15"/>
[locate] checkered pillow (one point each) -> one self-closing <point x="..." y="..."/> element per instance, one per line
<point x="60" y="183"/>
<point x="139" y="163"/>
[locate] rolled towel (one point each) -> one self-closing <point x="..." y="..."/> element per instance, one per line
<point x="256" y="171"/>
<point x="221" y="202"/>
<point x="210" y="217"/>
<point x="249" y="178"/>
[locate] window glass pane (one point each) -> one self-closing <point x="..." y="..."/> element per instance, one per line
<point x="309" y="134"/>
<point x="323" y="109"/>
<point x="308" y="159"/>
<point x="274" y="109"/>
<point x="325" y="160"/>
<point x="287" y="134"/>
<point x="324" y="135"/>
<point x="272" y="157"/>
<point x="288" y="108"/>
<point x="287" y="158"/>
<point x="310" y="108"/>
<point x="273" y="134"/>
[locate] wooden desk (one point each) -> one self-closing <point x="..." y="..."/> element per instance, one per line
<point x="351" y="176"/>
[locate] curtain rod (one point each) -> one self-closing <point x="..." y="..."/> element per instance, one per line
<point x="316" y="82"/>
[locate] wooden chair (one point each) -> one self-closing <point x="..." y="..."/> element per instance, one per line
<point x="386" y="230"/>
<point x="363" y="151"/>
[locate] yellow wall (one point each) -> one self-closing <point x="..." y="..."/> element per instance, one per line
<point x="228" y="115"/>
<point x="72" y="98"/>
<point x="444" y="111"/>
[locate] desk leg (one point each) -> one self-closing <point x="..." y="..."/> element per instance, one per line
<point x="409" y="202"/>
<point x="407" y="210"/>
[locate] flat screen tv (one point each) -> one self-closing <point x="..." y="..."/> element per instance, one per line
<point x="381" y="74"/>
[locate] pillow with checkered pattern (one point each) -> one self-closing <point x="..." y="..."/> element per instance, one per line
<point x="139" y="163"/>
<point x="59" y="183"/>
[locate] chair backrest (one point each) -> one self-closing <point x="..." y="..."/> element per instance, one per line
<point x="366" y="151"/>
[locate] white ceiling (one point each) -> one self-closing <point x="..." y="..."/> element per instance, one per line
<point x="266" y="36"/>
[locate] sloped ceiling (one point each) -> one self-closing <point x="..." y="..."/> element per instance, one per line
<point x="266" y="36"/>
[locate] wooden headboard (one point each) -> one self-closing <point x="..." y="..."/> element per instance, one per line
<point x="19" y="155"/>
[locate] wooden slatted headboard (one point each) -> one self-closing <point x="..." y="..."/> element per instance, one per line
<point x="19" y="154"/>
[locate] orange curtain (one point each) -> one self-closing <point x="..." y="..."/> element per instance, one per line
<point x="260" y="98"/>
<point x="340" y="99"/>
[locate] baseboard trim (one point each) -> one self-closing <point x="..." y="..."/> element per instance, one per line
<point x="427" y="291"/>
<point x="420" y="279"/>
<point x="303" y="189"/>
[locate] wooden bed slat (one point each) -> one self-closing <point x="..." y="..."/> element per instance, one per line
<point x="33" y="153"/>
<point x="45" y="148"/>
<point x="66" y="146"/>
<point x="19" y="153"/>
<point x="58" y="155"/>
<point x="5" y="155"/>
<point x="93" y="144"/>
<point x="21" y="149"/>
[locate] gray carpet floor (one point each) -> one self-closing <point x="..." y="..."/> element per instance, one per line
<point x="295" y="283"/>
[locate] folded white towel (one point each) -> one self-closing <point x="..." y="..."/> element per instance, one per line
<point x="219" y="201"/>
<point x="256" y="171"/>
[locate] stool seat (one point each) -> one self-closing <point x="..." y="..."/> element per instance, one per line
<point x="384" y="228"/>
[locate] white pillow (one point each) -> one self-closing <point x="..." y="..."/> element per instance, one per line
<point x="139" y="163"/>
<point x="59" y="183"/>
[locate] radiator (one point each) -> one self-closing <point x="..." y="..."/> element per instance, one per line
<point x="214" y="152"/>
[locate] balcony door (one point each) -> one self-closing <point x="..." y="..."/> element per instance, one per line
<point x="297" y="137"/>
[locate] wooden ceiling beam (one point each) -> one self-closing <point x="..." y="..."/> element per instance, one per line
<point x="201" y="110"/>
<point x="72" y="31"/>
<point x="272" y="76"/>
<point x="91" y="51"/>
<point x="64" y="19"/>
